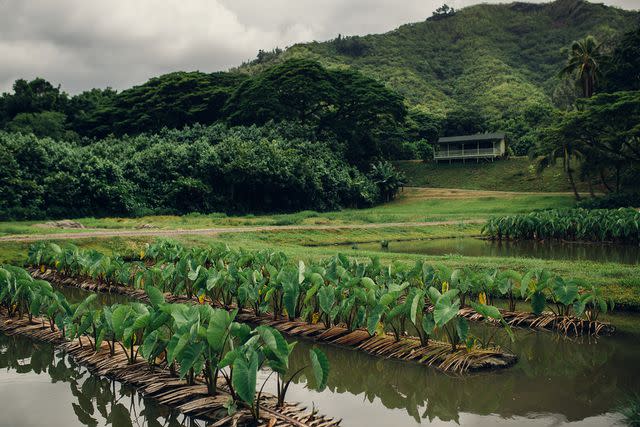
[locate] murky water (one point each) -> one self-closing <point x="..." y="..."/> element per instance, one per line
<point x="39" y="386"/>
<point x="557" y="381"/>
<point x="469" y="246"/>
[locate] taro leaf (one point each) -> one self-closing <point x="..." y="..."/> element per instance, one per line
<point x="374" y="318"/>
<point x="538" y="302"/>
<point x="118" y="319"/>
<point x="149" y="344"/>
<point x="445" y="311"/>
<point x="155" y="295"/>
<point x="320" y="366"/>
<point x="290" y="297"/>
<point x="241" y="331"/>
<point x="428" y="324"/>
<point x="316" y="279"/>
<point x="415" y="306"/>
<point x="217" y="331"/>
<point x="245" y="373"/>
<point x="327" y="299"/>
<point x="191" y="358"/>
<point x="229" y="358"/>
<point x="566" y="291"/>
<point x="462" y="327"/>
<point x="487" y="311"/>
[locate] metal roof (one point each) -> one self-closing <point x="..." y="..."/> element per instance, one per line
<point x="476" y="137"/>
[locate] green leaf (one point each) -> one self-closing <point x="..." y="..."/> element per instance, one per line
<point x="415" y="305"/>
<point x="191" y="358"/>
<point x="428" y="324"/>
<point x="374" y="318"/>
<point x="320" y="367"/>
<point x="218" y="329"/>
<point x="245" y="373"/>
<point x="155" y="295"/>
<point x="445" y="311"/>
<point x="538" y="303"/>
<point x="462" y="327"/>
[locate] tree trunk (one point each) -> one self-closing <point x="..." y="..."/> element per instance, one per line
<point x="604" y="182"/>
<point x="573" y="184"/>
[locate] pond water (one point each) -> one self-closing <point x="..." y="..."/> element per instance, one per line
<point x="469" y="246"/>
<point x="40" y="386"/>
<point x="557" y="381"/>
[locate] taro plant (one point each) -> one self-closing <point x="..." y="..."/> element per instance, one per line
<point x="508" y="285"/>
<point x="591" y="302"/>
<point x="445" y="316"/>
<point x="564" y="294"/>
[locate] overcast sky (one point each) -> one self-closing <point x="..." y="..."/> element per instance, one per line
<point x="82" y="44"/>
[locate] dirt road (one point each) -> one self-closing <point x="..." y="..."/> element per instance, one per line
<point x="216" y="231"/>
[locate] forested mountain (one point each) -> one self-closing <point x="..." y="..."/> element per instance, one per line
<point x="499" y="60"/>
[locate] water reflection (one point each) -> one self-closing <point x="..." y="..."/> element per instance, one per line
<point x="40" y="386"/>
<point x="555" y="378"/>
<point x="469" y="246"/>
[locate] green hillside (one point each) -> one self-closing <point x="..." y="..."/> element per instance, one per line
<point x="515" y="174"/>
<point x="499" y="60"/>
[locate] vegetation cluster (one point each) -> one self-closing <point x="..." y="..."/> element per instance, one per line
<point x="190" y="340"/>
<point x="421" y="301"/>
<point x="596" y="225"/>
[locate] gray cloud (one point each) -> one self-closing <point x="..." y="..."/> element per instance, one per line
<point x="82" y="44"/>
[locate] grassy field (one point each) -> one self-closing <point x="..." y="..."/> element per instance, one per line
<point x="514" y="174"/>
<point x="412" y="205"/>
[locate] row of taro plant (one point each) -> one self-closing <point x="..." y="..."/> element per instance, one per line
<point x="421" y="301"/>
<point x="190" y="340"/>
<point x="596" y="225"/>
<point x="562" y="297"/>
<point x="338" y="292"/>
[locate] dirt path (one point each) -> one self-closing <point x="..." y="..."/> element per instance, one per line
<point x="457" y="193"/>
<point x="219" y="230"/>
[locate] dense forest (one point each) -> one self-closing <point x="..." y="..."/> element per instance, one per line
<point x="312" y="127"/>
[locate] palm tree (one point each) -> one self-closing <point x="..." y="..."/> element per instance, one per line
<point x="556" y="145"/>
<point x="585" y="58"/>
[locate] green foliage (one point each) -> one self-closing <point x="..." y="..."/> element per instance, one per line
<point x="41" y="124"/>
<point x="273" y="168"/>
<point x="597" y="225"/>
<point x="612" y="201"/>
<point x="359" y="111"/>
<point x="498" y="61"/>
<point x="338" y="291"/>
<point x="622" y="70"/>
<point x="200" y="339"/>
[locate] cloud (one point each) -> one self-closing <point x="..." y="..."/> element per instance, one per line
<point x="83" y="44"/>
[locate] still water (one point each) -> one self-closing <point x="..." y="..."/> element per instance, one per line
<point x="469" y="246"/>
<point x="557" y="381"/>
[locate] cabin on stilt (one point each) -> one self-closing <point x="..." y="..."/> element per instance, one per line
<point x="487" y="146"/>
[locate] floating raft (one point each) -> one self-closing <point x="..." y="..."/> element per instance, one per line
<point x="568" y="325"/>
<point x="160" y="385"/>
<point x="435" y="353"/>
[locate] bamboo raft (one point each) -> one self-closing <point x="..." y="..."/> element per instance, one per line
<point x="436" y="354"/>
<point x="160" y="385"/>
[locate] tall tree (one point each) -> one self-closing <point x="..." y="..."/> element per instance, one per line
<point x="622" y="71"/>
<point x="584" y="63"/>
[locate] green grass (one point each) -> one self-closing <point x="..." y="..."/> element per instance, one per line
<point x="412" y="205"/>
<point x="514" y="174"/>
